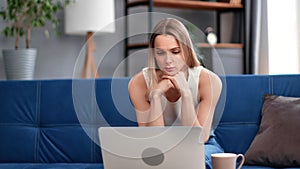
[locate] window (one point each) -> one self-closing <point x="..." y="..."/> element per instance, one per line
<point x="283" y="36"/>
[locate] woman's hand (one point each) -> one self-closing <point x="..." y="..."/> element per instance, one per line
<point x="178" y="81"/>
<point x="164" y="85"/>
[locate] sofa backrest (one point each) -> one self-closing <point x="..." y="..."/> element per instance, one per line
<point x="57" y="120"/>
<point x="242" y="112"/>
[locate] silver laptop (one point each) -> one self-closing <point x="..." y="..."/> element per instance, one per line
<point x="152" y="147"/>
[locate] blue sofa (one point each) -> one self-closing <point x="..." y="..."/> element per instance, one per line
<point x="53" y="123"/>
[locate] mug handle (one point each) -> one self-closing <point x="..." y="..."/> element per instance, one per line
<point x="243" y="160"/>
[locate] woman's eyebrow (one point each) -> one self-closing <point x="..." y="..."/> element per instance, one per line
<point x="175" y="48"/>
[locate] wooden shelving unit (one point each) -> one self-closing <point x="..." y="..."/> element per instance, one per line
<point x="202" y="45"/>
<point x="222" y="45"/>
<point x="219" y="7"/>
<point x="187" y="4"/>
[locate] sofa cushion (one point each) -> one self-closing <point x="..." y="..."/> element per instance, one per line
<point x="240" y="121"/>
<point x="277" y="141"/>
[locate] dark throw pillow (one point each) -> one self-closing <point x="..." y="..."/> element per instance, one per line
<point x="277" y="143"/>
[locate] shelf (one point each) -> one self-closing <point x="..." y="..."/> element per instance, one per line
<point x="221" y="45"/>
<point x="201" y="45"/>
<point x="188" y="4"/>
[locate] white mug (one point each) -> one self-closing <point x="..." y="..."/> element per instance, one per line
<point x="226" y="160"/>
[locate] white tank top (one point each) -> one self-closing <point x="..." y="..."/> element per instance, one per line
<point x="172" y="110"/>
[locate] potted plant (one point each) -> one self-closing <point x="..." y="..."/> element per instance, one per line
<point x="21" y="17"/>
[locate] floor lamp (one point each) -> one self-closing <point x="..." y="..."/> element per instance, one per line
<point x="89" y="18"/>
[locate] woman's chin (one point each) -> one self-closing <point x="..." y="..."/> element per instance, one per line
<point x="170" y="73"/>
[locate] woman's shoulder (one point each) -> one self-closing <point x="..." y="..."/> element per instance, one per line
<point x="209" y="77"/>
<point x="137" y="80"/>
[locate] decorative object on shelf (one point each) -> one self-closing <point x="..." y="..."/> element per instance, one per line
<point x="90" y="17"/>
<point x="211" y="36"/>
<point x="21" y="17"/>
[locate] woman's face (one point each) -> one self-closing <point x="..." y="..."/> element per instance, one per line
<point x="168" y="55"/>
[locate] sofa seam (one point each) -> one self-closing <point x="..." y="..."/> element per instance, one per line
<point x="237" y="123"/>
<point x="94" y="133"/>
<point x="93" y="157"/>
<point x="271" y="87"/>
<point x="38" y="121"/>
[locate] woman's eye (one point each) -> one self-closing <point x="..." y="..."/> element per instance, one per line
<point x="175" y="52"/>
<point x="163" y="52"/>
<point x="159" y="52"/>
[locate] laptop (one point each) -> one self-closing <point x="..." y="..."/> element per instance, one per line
<point x="152" y="147"/>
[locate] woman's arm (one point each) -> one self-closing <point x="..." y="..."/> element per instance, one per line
<point x="209" y="91"/>
<point x="147" y="114"/>
<point x="188" y="112"/>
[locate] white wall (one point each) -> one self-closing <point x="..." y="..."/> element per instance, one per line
<point x="283" y="33"/>
<point x="298" y="24"/>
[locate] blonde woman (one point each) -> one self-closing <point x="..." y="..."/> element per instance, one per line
<point x="175" y="89"/>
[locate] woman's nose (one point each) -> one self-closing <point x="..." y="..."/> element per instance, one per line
<point x="169" y="57"/>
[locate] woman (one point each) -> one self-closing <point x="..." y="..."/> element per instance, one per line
<point x="175" y="89"/>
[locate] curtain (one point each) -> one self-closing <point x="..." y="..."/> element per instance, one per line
<point x="255" y="40"/>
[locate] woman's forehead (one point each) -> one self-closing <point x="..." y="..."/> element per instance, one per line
<point x="166" y="42"/>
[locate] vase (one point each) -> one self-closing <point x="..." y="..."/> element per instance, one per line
<point x="19" y="64"/>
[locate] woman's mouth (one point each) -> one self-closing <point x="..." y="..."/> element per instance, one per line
<point x="170" y="69"/>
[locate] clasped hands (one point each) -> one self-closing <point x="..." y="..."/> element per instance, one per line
<point x="167" y="82"/>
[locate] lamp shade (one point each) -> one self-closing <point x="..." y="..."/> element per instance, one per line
<point x="83" y="16"/>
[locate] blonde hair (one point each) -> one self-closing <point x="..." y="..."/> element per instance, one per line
<point x="175" y="28"/>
